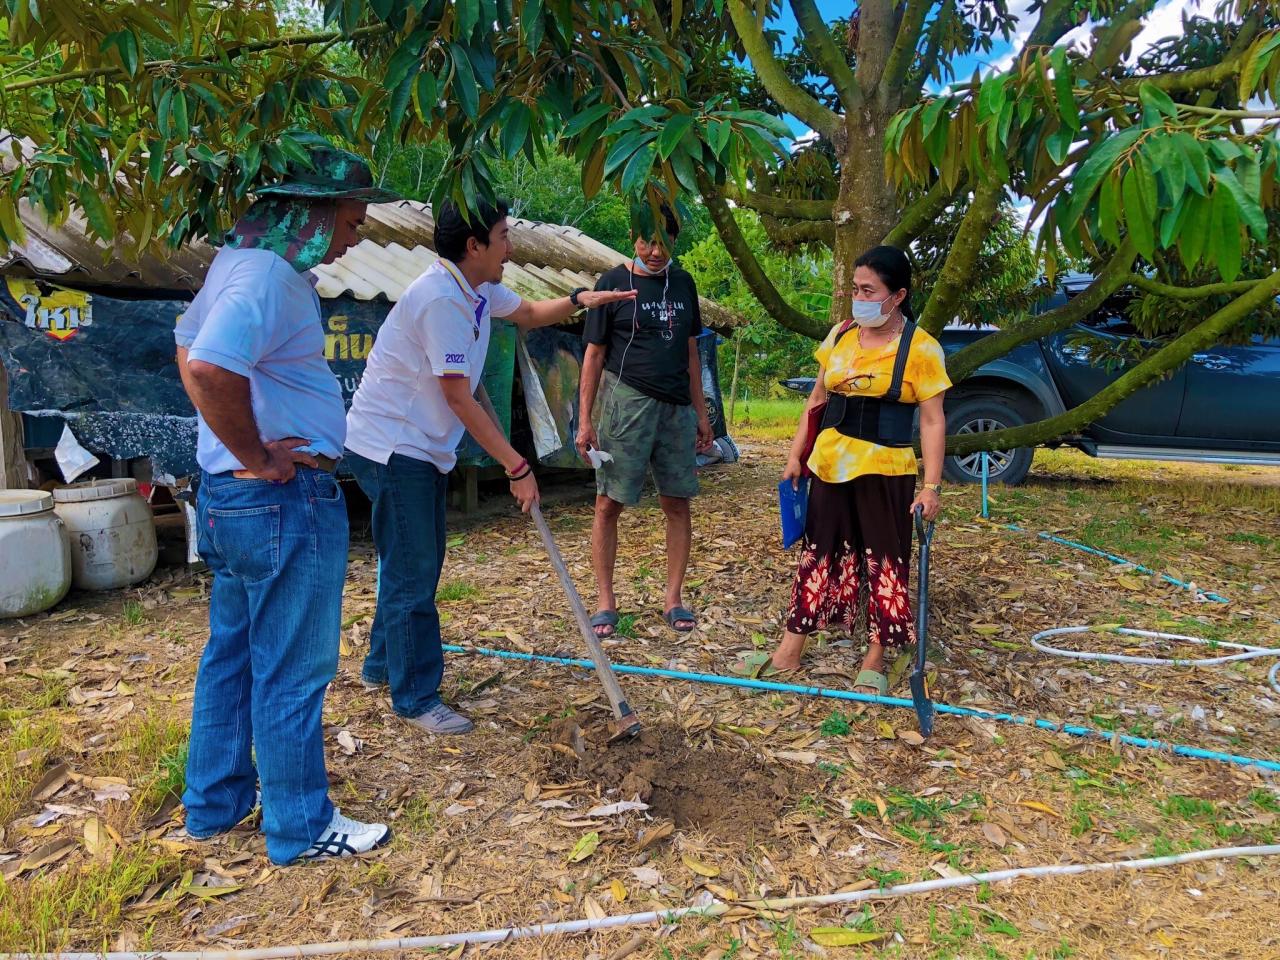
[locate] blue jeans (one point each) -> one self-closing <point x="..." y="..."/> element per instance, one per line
<point x="278" y="554"/>
<point x="408" y="498"/>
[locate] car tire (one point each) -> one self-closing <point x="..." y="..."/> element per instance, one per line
<point x="983" y="414"/>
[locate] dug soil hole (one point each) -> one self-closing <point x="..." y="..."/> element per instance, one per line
<point x="729" y="794"/>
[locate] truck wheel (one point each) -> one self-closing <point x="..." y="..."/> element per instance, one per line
<point x="983" y="415"/>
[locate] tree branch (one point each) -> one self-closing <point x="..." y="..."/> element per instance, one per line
<point x="753" y="274"/>
<point x="789" y="96"/>
<point x="1108" y="280"/>
<point x="231" y="53"/>
<point x="782" y="207"/>
<point x="1192" y="293"/>
<point x="875" y="41"/>
<point x="904" y="46"/>
<point x="828" y="54"/>
<point x="1184" y="81"/>
<point x="803" y="231"/>
<point x="921" y="214"/>
<point x="1055" y="20"/>
<point x="932" y="49"/>
<point x="958" y="270"/>
<point x="1168" y="358"/>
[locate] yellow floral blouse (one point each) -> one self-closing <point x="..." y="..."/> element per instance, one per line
<point x="837" y="458"/>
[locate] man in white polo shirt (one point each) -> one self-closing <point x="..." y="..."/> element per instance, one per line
<point x="421" y="389"/>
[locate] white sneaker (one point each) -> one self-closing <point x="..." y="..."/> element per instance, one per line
<point x="344" y="837"/>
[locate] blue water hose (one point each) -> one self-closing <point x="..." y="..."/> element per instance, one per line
<point x="746" y="683"/>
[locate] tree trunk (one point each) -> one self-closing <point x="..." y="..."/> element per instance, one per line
<point x="866" y="207"/>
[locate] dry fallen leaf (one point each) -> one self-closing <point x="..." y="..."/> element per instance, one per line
<point x="349" y="744"/>
<point x="995" y="836"/>
<point x="911" y="736"/>
<point x="96" y="839"/>
<point x="50" y="853"/>
<point x="592" y="908"/>
<point x="1051" y="759"/>
<point x="618" y="890"/>
<point x="656" y="833"/>
<point x="612" y="809"/>
<point x="701" y="869"/>
<point x="1041" y="807"/>
<point x="53" y="781"/>
<point x="885" y="730"/>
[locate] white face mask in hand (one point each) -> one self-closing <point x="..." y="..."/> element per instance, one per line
<point x="866" y="313"/>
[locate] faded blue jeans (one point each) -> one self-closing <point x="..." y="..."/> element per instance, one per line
<point x="278" y="554"/>
<point x="408" y="498"/>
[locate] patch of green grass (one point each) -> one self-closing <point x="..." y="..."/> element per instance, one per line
<point x="133" y="612"/>
<point x="456" y="590"/>
<point x="836" y="725"/>
<point x="885" y="878"/>
<point x="1188" y="808"/>
<point x="20" y="771"/>
<point x="994" y="923"/>
<point x="787" y="940"/>
<point x="643" y="572"/>
<point x="626" y="625"/>
<point x="43" y="912"/>
<point x="1264" y="800"/>
<point x="768" y="419"/>
<point x="418" y="814"/>
<point x="813" y="805"/>
<point x="1254" y="539"/>
<point x="1062" y="951"/>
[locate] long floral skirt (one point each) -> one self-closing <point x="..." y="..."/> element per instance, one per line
<point x="857" y="538"/>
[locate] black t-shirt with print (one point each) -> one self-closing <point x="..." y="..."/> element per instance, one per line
<point x="657" y="351"/>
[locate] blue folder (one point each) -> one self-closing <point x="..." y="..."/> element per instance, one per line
<point x="792" y="503"/>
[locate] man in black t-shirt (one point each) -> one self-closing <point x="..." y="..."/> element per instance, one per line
<point x="642" y="364"/>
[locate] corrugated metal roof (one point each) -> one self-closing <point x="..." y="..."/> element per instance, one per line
<point x="547" y="260"/>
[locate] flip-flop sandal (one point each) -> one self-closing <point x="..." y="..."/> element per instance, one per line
<point x="605" y="618"/>
<point x="870" y="678"/>
<point x="675" y="615"/>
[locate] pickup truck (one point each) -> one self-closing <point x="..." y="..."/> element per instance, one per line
<point x="1223" y="406"/>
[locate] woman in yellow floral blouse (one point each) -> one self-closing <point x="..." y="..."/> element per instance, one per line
<point x="858" y="526"/>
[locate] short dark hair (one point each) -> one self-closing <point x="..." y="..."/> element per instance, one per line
<point x="454" y="228"/>
<point x="642" y="216"/>
<point x="893" y="267"/>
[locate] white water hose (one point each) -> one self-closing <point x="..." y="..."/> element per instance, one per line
<point x="659" y="917"/>
<point x="1249" y="652"/>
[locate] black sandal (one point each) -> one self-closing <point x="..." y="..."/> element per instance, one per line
<point x="605" y="618"/>
<point x="676" y="614"/>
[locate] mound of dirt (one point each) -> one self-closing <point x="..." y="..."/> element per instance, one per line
<point x="729" y="794"/>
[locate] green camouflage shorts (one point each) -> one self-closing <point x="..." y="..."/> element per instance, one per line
<point x="645" y="434"/>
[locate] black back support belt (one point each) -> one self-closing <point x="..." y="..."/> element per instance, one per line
<point x="885" y="420"/>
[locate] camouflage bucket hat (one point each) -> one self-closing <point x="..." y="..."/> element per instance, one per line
<point x="334" y="175"/>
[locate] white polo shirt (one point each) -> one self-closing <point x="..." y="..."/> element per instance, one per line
<point x="439" y="328"/>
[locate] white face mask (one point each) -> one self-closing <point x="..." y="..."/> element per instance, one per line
<point x="643" y="267"/>
<point x="866" y="313"/>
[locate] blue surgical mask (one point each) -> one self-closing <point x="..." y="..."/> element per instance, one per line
<point x="643" y="267"/>
<point x="866" y="313"/>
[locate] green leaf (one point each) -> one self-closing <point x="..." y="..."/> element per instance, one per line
<point x="625" y="147"/>
<point x="1062" y="88"/>
<point x="843" y="936"/>
<point x="1146" y="183"/>
<point x="126" y="45"/>
<point x="1247" y="205"/>
<point x="1058" y="143"/>
<point x="1224" y="247"/>
<point x="1197" y="164"/>
<point x="425" y="96"/>
<point x="682" y="165"/>
<point x="758" y="118"/>
<point x="468" y="14"/>
<point x="1169" y="167"/>
<point x="155" y="160"/>
<point x="585" y="847"/>
<point x="580" y="121"/>
<point x="463" y="86"/>
<point x="399" y="105"/>
<point x="931" y="115"/>
<point x="1152" y="96"/>
<point x="720" y="131"/>
<point x="637" y="169"/>
<point x="1109" y="211"/>
<point x="1090" y="172"/>
<point x="1138" y="216"/>
<point x="96" y="212"/>
<point x="533" y="25"/>
<point x="991" y="96"/>
<point x="1171" y="222"/>
<point x="515" y="129"/>
<point x="672" y="134"/>
<point x="1195" y="230"/>
<point x="164" y="112"/>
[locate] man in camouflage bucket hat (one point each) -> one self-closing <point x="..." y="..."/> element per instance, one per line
<point x="272" y="521"/>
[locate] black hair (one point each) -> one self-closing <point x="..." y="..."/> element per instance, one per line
<point x="642" y="224"/>
<point x="893" y="267"/>
<point x="454" y="227"/>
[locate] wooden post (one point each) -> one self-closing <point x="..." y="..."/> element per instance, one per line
<point x="733" y="385"/>
<point x="13" y="462"/>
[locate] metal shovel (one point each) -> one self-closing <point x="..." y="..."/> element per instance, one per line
<point x="919" y="684"/>
<point x="625" y="721"/>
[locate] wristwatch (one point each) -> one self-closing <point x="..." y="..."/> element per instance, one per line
<point x="573" y="297"/>
<point x="935" y="487"/>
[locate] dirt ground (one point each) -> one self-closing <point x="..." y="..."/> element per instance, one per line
<point x="729" y="794"/>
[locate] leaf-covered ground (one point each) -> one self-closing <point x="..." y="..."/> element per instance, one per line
<point x="752" y="794"/>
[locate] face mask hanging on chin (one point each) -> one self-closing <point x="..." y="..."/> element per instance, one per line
<point x="643" y="267"/>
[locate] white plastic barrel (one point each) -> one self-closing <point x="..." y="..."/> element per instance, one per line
<point x="111" y="530"/>
<point x="35" y="557"/>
